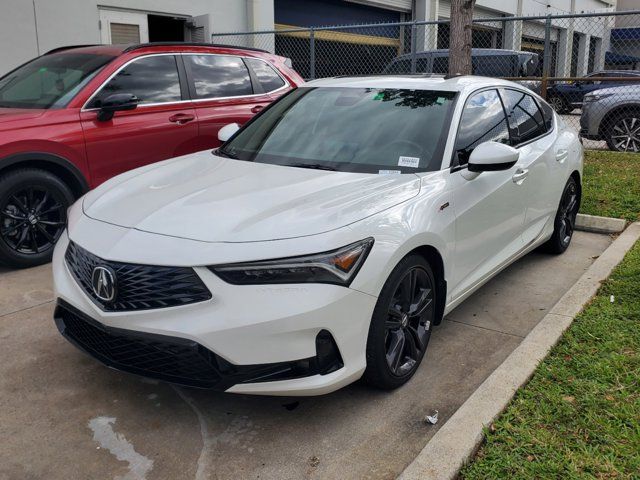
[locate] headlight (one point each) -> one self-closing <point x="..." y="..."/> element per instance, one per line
<point x="338" y="267"/>
<point x="595" y="97"/>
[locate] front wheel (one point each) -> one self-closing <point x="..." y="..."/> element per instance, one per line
<point x="401" y="324"/>
<point x="559" y="104"/>
<point x="565" y="220"/>
<point x="33" y="215"/>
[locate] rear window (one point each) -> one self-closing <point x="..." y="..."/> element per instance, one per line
<point x="269" y="79"/>
<point x="50" y="81"/>
<point x="216" y="76"/>
<point x="525" y="118"/>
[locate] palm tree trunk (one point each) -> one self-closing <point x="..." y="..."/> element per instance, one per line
<point x="460" y="39"/>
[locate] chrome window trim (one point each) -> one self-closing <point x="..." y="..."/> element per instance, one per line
<point x="99" y="89"/>
<point x="499" y="89"/>
<point x="178" y="102"/>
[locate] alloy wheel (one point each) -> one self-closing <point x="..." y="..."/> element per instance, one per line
<point x="557" y="104"/>
<point x="32" y="219"/>
<point x="568" y="212"/>
<point x="409" y="320"/>
<point x="625" y="135"/>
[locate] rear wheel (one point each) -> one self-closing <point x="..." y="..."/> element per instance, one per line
<point x="401" y="324"/>
<point x="565" y="219"/>
<point x="33" y="215"/>
<point x="623" y="134"/>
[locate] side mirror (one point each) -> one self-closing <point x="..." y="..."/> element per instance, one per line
<point x="491" y="157"/>
<point x="116" y="103"/>
<point x="228" y="131"/>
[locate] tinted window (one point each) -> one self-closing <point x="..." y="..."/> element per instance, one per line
<point x="367" y="130"/>
<point x="441" y="65"/>
<point x="483" y="119"/>
<point x="495" y="65"/>
<point x="422" y="65"/>
<point x="547" y="114"/>
<point x="267" y="76"/>
<point x="525" y="118"/>
<point x="50" y="80"/>
<point x="152" y="79"/>
<point x="400" y="66"/>
<point x="219" y="76"/>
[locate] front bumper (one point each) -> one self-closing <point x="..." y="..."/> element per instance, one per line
<point x="245" y="339"/>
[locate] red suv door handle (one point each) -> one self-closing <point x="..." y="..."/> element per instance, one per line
<point x="257" y="108"/>
<point x="181" y="118"/>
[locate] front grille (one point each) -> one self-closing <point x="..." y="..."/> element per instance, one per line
<point x="139" y="287"/>
<point x="171" y="359"/>
<point x="166" y="358"/>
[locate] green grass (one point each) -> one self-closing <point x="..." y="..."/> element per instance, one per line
<point x="611" y="185"/>
<point x="579" y="416"/>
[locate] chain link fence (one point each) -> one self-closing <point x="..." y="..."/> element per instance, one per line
<point x="587" y="66"/>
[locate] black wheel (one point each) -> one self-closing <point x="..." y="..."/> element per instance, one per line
<point x="559" y="104"/>
<point x="623" y="133"/>
<point x="33" y="215"/>
<point x="565" y="219"/>
<point x="401" y="324"/>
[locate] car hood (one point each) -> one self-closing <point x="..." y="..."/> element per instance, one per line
<point x="621" y="90"/>
<point x="213" y="199"/>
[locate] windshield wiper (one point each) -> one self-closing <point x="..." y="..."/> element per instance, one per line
<point x="313" y="166"/>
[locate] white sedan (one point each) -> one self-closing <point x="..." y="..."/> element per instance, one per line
<point x="323" y="241"/>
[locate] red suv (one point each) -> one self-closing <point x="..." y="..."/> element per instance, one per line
<point x="73" y="118"/>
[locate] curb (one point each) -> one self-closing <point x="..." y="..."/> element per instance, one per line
<point x="455" y="443"/>
<point x="592" y="223"/>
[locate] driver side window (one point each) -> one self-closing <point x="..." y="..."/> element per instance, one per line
<point x="483" y="119"/>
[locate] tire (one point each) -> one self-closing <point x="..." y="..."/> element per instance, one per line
<point x="565" y="220"/>
<point x="560" y="105"/>
<point x="33" y="215"/>
<point x="623" y="132"/>
<point x="406" y="327"/>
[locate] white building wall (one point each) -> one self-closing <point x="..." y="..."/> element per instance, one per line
<point x="74" y="22"/>
<point x="70" y="22"/>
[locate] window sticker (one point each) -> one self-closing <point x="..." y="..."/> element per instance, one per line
<point x="389" y="172"/>
<point x="413" y="162"/>
<point x="379" y="96"/>
<point x="440" y="100"/>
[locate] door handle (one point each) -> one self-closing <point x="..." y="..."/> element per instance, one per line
<point x="520" y="175"/>
<point x="561" y="155"/>
<point x="257" y="108"/>
<point x="181" y="118"/>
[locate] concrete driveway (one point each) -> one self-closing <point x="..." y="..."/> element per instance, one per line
<point x="64" y="416"/>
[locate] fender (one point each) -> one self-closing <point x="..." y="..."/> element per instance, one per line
<point x="72" y="174"/>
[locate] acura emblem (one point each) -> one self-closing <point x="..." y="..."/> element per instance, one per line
<point x="103" y="281"/>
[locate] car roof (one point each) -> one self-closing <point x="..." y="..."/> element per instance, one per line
<point x="478" y="52"/>
<point x="625" y="72"/>
<point x="461" y="83"/>
<point x="116" y="50"/>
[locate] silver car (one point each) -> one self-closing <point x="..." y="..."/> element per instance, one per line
<point x="613" y="114"/>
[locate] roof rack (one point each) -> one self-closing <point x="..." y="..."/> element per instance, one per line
<point x="69" y="47"/>
<point x="189" y="44"/>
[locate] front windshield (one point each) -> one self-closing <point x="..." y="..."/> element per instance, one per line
<point x="50" y="81"/>
<point x="366" y="130"/>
